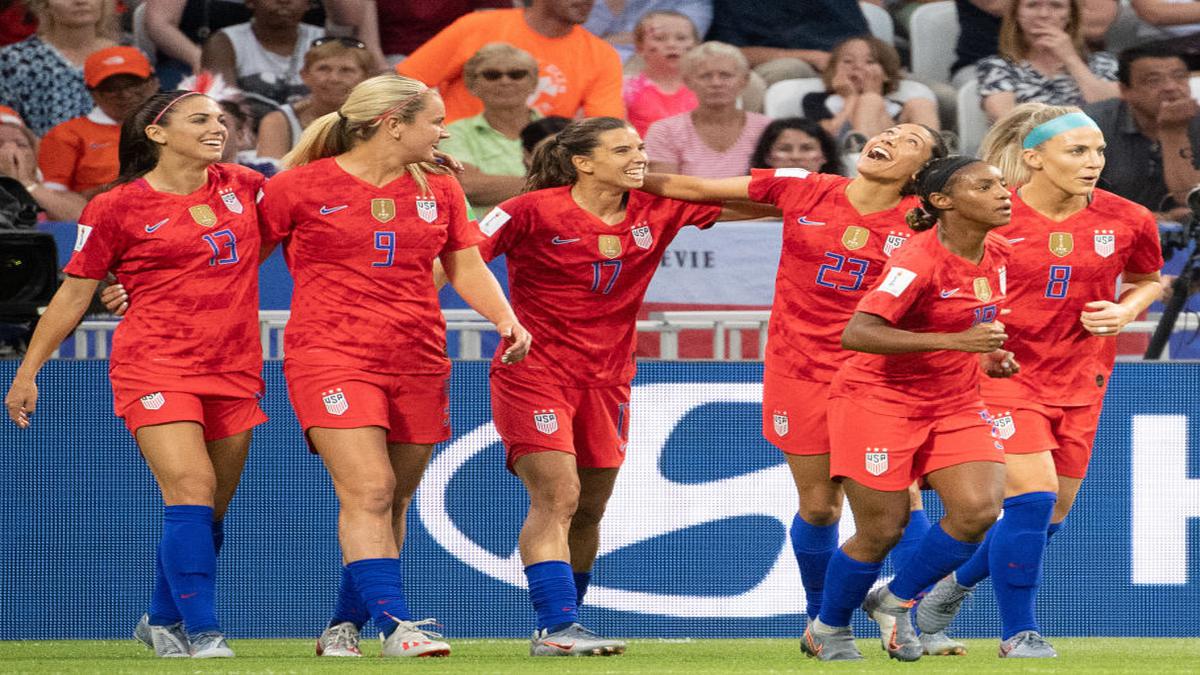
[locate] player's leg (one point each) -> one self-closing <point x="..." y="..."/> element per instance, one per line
<point x="814" y="531"/>
<point x="583" y="539"/>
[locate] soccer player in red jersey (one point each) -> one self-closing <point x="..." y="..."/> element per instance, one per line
<point x="838" y="233"/>
<point x="363" y="214"/>
<point x="180" y="232"/>
<point x="1072" y="244"/>
<point x="906" y="406"/>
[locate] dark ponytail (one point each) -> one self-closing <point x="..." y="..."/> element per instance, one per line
<point x="551" y="165"/>
<point x="137" y="153"/>
<point x="933" y="177"/>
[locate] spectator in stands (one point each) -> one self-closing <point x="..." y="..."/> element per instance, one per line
<point x="79" y="156"/>
<point x="978" y="28"/>
<point x="785" y="39"/>
<point x="1152" y="132"/>
<point x="264" y="55"/>
<point x="18" y="160"/>
<point x="41" y="77"/>
<point x="661" y="39"/>
<point x="796" y="143"/>
<point x="401" y="26"/>
<point x="865" y="93"/>
<point x="577" y="69"/>
<point x="489" y="144"/>
<point x="332" y="66"/>
<point x="535" y="133"/>
<point x="1170" y="18"/>
<point x="1042" y="58"/>
<point x="717" y="138"/>
<point x="620" y="21"/>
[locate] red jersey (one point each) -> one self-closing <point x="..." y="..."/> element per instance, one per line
<point x="1057" y="268"/>
<point x="190" y="266"/>
<point x="927" y="289"/>
<point x="362" y="258"/>
<point x="576" y="283"/>
<point x="831" y="255"/>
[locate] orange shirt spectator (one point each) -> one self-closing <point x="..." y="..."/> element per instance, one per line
<point x="576" y="69"/>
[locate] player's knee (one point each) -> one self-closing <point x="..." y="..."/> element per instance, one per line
<point x="820" y="512"/>
<point x="974" y="518"/>
<point x="881" y="534"/>
<point x="372" y="495"/>
<point x="560" y="498"/>
<point x="194" y="488"/>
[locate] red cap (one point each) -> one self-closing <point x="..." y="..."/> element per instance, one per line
<point x="115" y="61"/>
<point x="10" y="116"/>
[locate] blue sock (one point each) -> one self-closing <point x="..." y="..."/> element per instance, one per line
<point x="1053" y="530"/>
<point x="813" y="545"/>
<point x="381" y="589"/>
<point x="975" y="569"/>
<point x="162" y="611"/>
<point x="552" y="592"/>
<point x="349" y="605"/>
<point x="218" y="535"/>
<point x="582" y="579"/>
<point x="910" y="541"/>
<point x="1016" y="559"/>
<point x="938" y="555"/>
<point x="846" y="584"/>
<point x="190" y="565"/>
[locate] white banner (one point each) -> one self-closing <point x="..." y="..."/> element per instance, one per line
<point x="730" y="264"/>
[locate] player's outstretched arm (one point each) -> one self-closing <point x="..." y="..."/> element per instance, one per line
<point x="693" y="189"/>
<point x="65" y="310"/>
<point x="873" y="334"/>
<point x="1106" y="318"/>
<point x="472" y="279"/>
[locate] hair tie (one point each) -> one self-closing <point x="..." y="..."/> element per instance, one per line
<point x="941" y="173"/>
<point x="1063" y="123"/>
<point x="175" y="100"/>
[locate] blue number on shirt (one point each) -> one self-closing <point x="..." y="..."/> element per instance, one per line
<point x="224" y="247"/>
<point x="385" y="241"/>
<point x="1060" y="280"/>
<point x="855" y="267"/>
<point x="598" y="269"/>
<point x="985" y="314"/>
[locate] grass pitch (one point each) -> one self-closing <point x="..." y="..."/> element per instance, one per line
<point x="1077" y="655"/>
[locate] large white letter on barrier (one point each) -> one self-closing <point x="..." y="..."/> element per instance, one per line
<point x="1163" y="499"/>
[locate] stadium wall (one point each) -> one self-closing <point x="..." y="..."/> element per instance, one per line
<point x="695" y="540"/>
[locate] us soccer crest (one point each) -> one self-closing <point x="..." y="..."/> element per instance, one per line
<point x="335" y="402"/>
<point x="203" y="215"/>
<point x="427" y="209"/>
<point x="877" y="461"/>
<point x="855" y="237"/>
<point x="153" y="401"/>
<point x="383" y="210"/>
<point x="642" y="236"/>
<point x="1105" y="242"/>
<point x="781" y="422"/>
<point x="983" y="290"/>
<point x="1003" y="426"/>
<point x="610" y="246"/>
<point x="545" y="421"/>
<point x="1061" y="243"/>
<point x="894" y="241"/>
<point x="230" y="199"/>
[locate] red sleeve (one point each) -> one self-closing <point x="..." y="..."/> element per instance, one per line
<point x="462" y="233"/>
<point x="98" y="242"/>
<point x="437" y="60"/>
<point x="274" y="210"/>
<point x="501" y="228"/>
<point x="58" y="155"/>
<point x="700" y="214"/>
<point x="785" y="188"/>
<point x="603" y="98"/>
<point x="903" y="281"/>
<point x="1146" y="257"/>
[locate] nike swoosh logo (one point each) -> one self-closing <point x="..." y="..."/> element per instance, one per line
<point x="151" y="228"/>
<point x="946" y="294"/>
<point x="326" y="210"/>
<point x="1017" y="240"/>
<point x="185" y="596"/>
<point x="559" y="240"/>
<point x="803" y="220"/>
<point x="559" y="645"/>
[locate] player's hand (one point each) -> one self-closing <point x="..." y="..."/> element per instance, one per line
<point x="448" y="161"/>
<point x="21" y="401"/>
<point x="115" y="299"/>
<point x="999" y="364"/>
<point x="1105" y="318"/>
<point x="517" y="340"/>
<point x="982" y="337"/>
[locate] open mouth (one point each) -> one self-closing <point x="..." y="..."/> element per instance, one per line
<point x="879" y="153"/>
<point x="637" y="174"/>
<point x="213" y="143"/>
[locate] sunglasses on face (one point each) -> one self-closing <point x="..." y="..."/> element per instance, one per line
<point x="344" y="41"/>
<point x="514" y="74"/>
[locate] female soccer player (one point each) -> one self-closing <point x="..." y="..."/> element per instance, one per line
<point x="906" y="406"/>
<point x="1071" y="245"/>
<point x="363" y="215"/>
<point x="186" y="361"/>
<point x="838" y="233"/>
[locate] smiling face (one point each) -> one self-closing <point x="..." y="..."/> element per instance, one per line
<point x="618" y="160"/>
<point x="1071" y="161"/>
<point x="193" y="128"/>
<point x="665" y="39"/>
<point x="419" y="138"/>
<point x="978" y="195"/>
<point x="897" y="153"/>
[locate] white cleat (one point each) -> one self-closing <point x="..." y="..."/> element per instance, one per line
<point x="574" y="640"/>
<point x="168" y="642"/>
<point x="410" y="639"/>
<point x="339" y="640"/>
<point x="211" y="645"/>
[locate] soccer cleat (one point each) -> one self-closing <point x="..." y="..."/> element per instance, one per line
<point x="168" y="642"/>
<point x="1027" y="644"/>
<point x="940" y="644"/>
<point x="410" y="639"/>
<point x="896" y="632"/>
<point x="829" y="643"/>
<point x="210" y="645"/>
<point x="939" y="607"/>
<point x="574" y="640"/>
<point x="339" y="640"/>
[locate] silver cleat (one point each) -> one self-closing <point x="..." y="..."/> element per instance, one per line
<point x="574" y="640"/>
<point x="168" y="642"/>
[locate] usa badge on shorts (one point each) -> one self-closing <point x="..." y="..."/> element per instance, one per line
<point x="983" y="290"/>
<point x="642" y="236"/>
<point x="1003" y="426"/>
<point x="230" y="200"/>
<point x="610" y="245"/>
<point x="427" y="209"/>
<point x="855" y="237"/>
<point x="780" y="419"/>
<point x="153" y="401"/>
<point x="877" y="461"/>
<point x="335" y="402"/>
<point x="203" y="215"/>
<point x="545" y="421"/>
<point x="1105" y="243"/>
<point x="383" y="210"/>
<point x="1061" y="243"/>
<point x="894" y="241"/>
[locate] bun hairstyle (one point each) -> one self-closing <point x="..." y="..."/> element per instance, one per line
<point x="934" y="177"/>
<point x="551" y="165"/>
